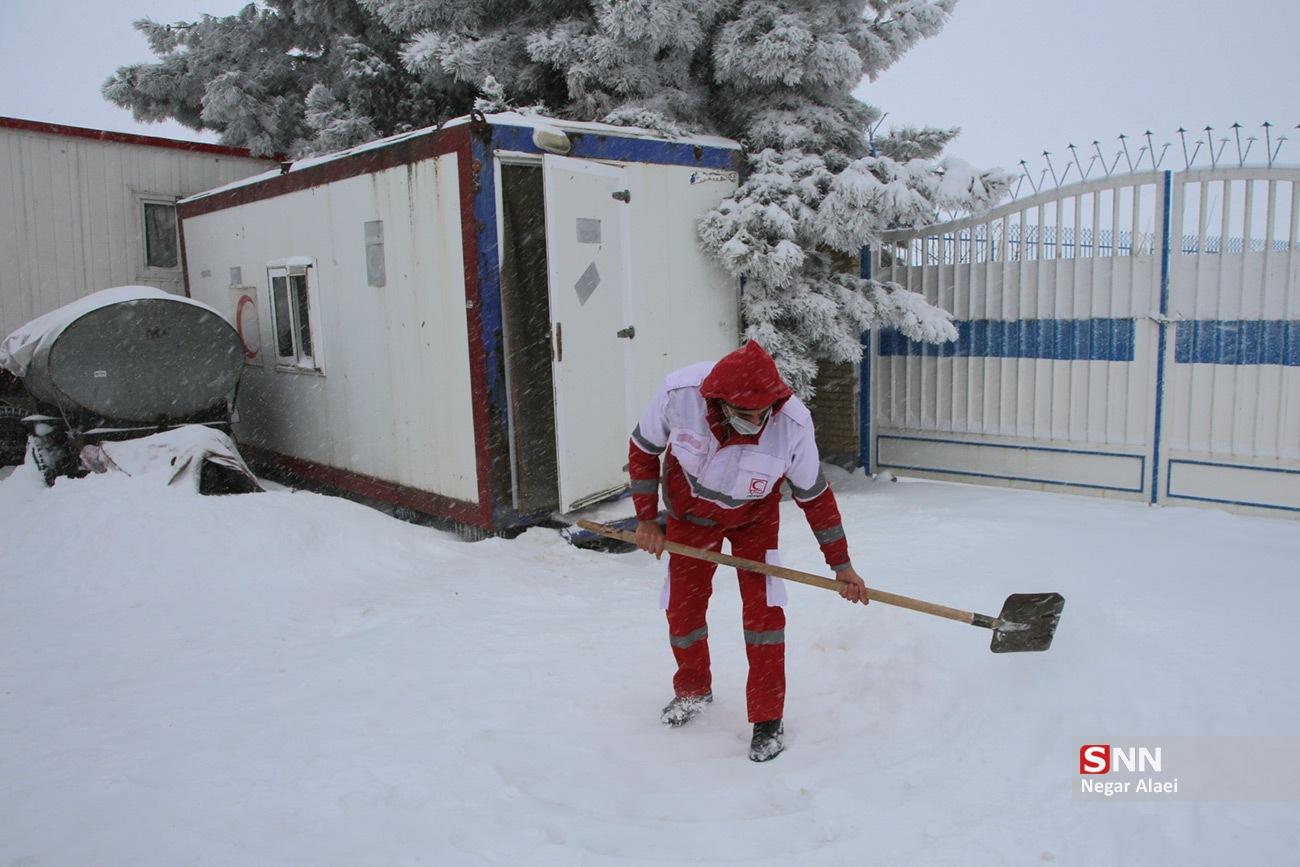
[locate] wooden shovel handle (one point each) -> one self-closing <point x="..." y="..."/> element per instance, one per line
<point x="786" y="573"/>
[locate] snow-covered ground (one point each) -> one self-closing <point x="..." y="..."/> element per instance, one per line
<point x="288" y="678"/>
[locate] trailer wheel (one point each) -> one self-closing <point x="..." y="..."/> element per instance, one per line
<point x="13" y="437"/>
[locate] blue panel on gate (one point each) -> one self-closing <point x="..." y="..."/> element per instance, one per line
<point x="1239" y="341"/>
<point x="1053" y="339"/>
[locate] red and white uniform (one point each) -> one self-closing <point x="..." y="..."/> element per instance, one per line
<point x="718" y="483"/>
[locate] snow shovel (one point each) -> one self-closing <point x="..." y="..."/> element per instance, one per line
<point x="1027" y="622"/>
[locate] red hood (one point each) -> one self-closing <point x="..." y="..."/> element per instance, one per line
<point x="746" y="378"/>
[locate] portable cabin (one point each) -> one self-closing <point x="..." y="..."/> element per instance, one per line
<point x="467" y="321"/>
<point x="86" y="209"/>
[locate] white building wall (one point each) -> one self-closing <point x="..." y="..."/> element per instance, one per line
<point x="393" y="400"/>
<point x="71" y="216"/>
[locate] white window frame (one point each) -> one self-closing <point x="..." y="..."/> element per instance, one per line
<point x="302" y="272"/>
<point x="142" y="200"/>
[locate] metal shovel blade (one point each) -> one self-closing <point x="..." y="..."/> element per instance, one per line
<point x="1027" y="622"/>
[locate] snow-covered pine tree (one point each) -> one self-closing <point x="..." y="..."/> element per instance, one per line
<point x="306" y="76"/>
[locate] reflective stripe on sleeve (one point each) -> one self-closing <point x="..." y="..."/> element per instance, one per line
<point x="818" y="486"/>
<point x="681" y="642"/>
<point x="709" y="494"/>
<point x="775" y="637"/>
<point x="645" y="486"/>
<point x="847" y="564"/>
<point x="824" y="537"/>
<point x="644" y="444"/>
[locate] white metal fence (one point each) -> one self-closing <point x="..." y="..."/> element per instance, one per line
<point x="1131" y="336"/>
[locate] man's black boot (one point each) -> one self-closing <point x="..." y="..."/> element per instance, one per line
<point x="683" y="709"/>
<point x="769" y="740"/>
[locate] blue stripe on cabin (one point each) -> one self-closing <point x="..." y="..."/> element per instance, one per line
<point x="1238" y="342"/>
<point x="1055" y="339"/>
<point x="608" y="146"/>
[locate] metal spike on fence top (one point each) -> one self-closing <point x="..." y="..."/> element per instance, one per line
<point x="1092" y="162"/>
<point x="1115" y="162"/>
<point x="1096" y="144"/>
<point x="1074" y="155"/>
<point x="1015" y="194"/>
<point x="1272" y="149"/>
<point x="1141" y="153"/>
<point x="873" y="130"/>
<point x="1025" y="166"/>
<point x="1164" y="150"/>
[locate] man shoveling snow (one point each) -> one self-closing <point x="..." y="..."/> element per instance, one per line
<point x="733" y="431"/>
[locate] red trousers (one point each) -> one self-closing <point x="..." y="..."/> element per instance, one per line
<point x="690" y="584"/>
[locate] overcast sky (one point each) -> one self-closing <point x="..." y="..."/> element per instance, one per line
<point x="1017" y="77"/>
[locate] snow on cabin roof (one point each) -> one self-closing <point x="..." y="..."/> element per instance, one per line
<point x="498" y="119"/>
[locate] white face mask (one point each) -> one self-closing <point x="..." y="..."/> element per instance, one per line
<point x="746" y="427"/>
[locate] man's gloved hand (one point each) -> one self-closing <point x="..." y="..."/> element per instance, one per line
<point x="852" y="587"/>
<point x="650" y="537"/>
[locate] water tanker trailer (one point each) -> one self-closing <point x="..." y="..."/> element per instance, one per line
<point x="120" y="363"/>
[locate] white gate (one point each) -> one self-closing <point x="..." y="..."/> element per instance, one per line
<point x="1111" y="342"/>
<point x="1230" y="419"/>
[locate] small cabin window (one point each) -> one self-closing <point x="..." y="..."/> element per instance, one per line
<point x="292" y="318"/>
<point x="161" y="244"/>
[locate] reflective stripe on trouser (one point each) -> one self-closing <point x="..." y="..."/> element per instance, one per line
<point x="691" y="585"/>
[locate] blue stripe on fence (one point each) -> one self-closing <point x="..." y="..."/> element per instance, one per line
<point x="1057" y="339"/>
<point x="1241" y="341"/>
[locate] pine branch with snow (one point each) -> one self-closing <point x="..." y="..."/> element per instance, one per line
<point x="306" y="76"/>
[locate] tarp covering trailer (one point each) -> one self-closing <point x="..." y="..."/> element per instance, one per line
<point x="120" y="364"/>
<point x="131" y="354"/>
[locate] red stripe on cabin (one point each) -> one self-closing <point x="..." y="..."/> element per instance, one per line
<point x="185" y="260"/>
<point x="434" y="143"/>
<point x="477" y="355"/>
<point x="366" y="486"/>
<point x="132" y="139"/>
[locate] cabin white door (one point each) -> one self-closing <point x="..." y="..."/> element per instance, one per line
<point x="586" y="220"/>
